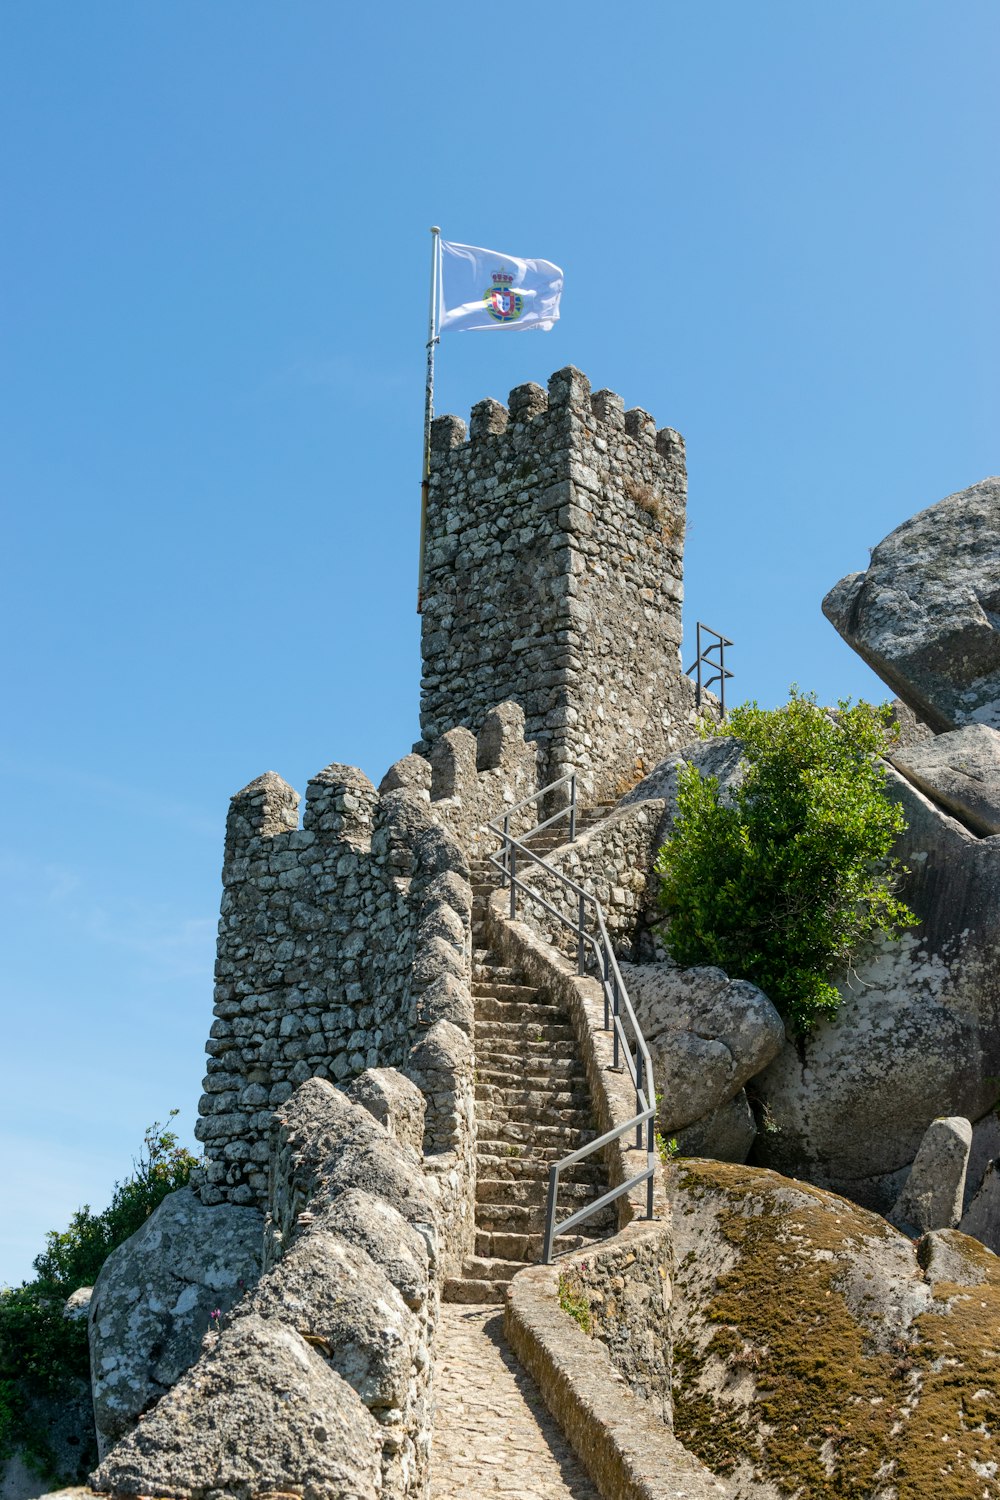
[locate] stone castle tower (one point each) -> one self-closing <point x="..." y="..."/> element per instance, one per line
<point x="554" y="577"/>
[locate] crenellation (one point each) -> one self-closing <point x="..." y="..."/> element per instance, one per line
<point x="489" y="418"/>
<point x="527" y="401"/>
<point x="340" y="804"/>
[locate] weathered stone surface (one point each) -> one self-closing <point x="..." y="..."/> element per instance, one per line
<point x="154" y="1299"/>
<point x="982" y="1217"/>
<point x="382" y="1232"/>
<point x="707" y="1035"/>
<point x="917" y="1035"/>
<point x="726" y="1134"/>
<point x="925" y="614"/>
<point x="961" y="770"/>
<point x="813" y="1352"/>
<point x="932" y="1194"/>
<point x="261" y="1412"/>
<point x="347" y="1308"/>
<point x="394" y="1101"/>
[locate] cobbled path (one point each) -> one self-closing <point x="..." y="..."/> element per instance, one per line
<point x="492" y="1433"/>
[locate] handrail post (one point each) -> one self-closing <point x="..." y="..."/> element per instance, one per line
<point x="506" y="845"/>
<point x="572" y="808"/>
<point x="650" y="1162"/>
<point x="513" y="881"/>
<point x="581" y="965"/>
<point x="604" y="987"/>
<point x="615" y="1011"/>
<point x="550" y="1213"/>
<point x="638" y="1093"/>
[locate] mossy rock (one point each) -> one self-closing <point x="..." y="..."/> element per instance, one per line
<point x="820" y="1352"/>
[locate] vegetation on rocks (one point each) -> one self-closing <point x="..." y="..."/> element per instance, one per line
<point x="44" y="1355"/>
<point x="781" y="878"/>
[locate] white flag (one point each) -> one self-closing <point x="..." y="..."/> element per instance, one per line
<point x="483" y="289"/>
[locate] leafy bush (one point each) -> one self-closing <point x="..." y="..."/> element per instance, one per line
<point x="43" y="1356"/>
<point x="782" y="878"/>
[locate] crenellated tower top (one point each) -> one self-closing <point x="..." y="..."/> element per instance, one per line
<point x="554" y="577"/>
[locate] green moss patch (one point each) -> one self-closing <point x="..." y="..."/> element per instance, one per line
<point x="794" y="1385"/>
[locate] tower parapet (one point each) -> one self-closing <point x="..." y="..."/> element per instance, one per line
<point x="554" y="577"/>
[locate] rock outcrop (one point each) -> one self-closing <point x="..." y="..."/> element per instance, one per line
<point x="707" y="1035"/>
<point x="961" y="771"/>
<point x="932" y="1194"/>
<point x="820" y="1351"/>
<point x="926" y="614"/>
<point x="156" y="1298"/>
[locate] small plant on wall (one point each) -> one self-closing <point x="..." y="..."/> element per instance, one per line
<point x="783" y="878"/>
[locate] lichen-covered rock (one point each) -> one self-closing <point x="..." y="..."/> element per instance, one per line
<point x="707" y="1035"/>
<point x="261" y="1412"/>
<point x="932" y="1194"/>
<point x="154" y="1300"/>
<point x="925" y="614"/>
<point x="394" y="1101"/>
<point x="345" y="1306"/>
<point x="382" y="1232"/>
<point x="819" y="1351"/>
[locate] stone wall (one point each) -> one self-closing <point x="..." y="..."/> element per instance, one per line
<point x="319" y="1380"/>
<point x="340" y="945"/>
<point x="554" y="577"/>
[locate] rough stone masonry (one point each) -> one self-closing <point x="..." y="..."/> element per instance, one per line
<point x="554" y="577"/>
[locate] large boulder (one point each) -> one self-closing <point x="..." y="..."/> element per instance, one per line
<point x="933" y="1193"/>
<point x="157" y="1296"/>
<point x="961" y="771"/>
<point x="818" y="1350"/>
<point x="925" y="615"/>
<point x="917" y="1035"/>
<point x="707" y="1035"/>
<point x="262" y="1412"/>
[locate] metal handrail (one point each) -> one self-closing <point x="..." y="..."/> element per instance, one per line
<point x="616" y="999"/>
<point x="721" y="672"/>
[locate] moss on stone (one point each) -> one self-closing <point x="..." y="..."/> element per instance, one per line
<point x="830" y="1410"/>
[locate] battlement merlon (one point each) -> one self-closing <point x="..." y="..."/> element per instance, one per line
<point x="554" y="578"/>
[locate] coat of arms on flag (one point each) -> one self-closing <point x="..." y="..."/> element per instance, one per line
<point x="502" y="303"/>
<point x="483" y="289"/>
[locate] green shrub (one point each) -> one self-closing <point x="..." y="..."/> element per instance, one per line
<point x="782" y="879"/>
<point x="43" y="1356"/>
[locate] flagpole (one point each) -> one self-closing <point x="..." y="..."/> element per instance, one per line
<point x="432" y="338"/>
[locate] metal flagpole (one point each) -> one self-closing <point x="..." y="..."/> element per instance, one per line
<point x="432" y="339"/>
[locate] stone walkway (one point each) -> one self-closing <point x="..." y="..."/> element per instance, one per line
<point x="493" y="1435"/>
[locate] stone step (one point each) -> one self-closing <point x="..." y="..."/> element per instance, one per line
<point x="534" y="1073"/>
<point x="536" y="1117"/>
<point x="560" y="1140"/>
<point x="493" y="1153"/>
<point x="541" y="1098"/>
<point x="529" y="1218"/>
<point x="489" y="1166"/>
<point x="511" y="994"/>
<point x="502" y="1244"/>
<point x="541" y="1010"/>
<point x="493" y="973"/>
<point x="462" y="1289"/>
<point x="504" y="1025"/>
<point x="499" y="1052"/>
<point x="485" y="1268"/>
<point x="530" y="1192"/>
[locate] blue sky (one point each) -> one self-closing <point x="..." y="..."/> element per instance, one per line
<point x="779" y="226"/>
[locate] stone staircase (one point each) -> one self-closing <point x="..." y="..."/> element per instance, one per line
<point x="533" y="1106"/>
